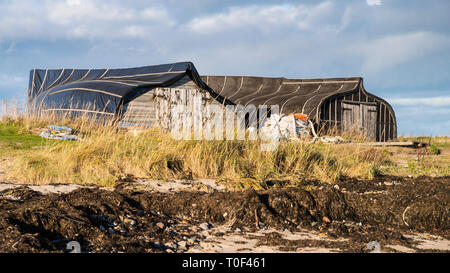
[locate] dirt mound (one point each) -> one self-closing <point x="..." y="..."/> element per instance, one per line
<point x="421" y="204"/>
<point x="140" y="221"/>
<point x="250" y="209"/>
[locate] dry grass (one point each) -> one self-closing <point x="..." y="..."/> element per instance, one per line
<point x="108" y="154"/>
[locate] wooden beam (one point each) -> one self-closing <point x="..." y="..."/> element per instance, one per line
<point x="415" y="144"/>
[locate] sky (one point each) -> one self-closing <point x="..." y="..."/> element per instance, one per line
<point x="400" y="47"/>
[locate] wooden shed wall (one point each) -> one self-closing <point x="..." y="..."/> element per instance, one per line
<point x="331" y="114"/>
<point x="154" y="108"/>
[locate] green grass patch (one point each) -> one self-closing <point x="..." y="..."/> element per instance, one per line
<point x="14" y="137"/>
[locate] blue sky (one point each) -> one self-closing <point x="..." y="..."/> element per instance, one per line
<point x="400" y="48"/>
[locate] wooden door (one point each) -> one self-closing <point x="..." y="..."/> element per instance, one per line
<point x="359" y="119"/>
<point x="369" y="120"/>
<point x="351" y="117"/>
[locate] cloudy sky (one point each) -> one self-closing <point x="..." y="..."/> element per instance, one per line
<point x="400" y="47"/>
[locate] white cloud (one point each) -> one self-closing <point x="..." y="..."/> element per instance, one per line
<point x="391" y="50"/>
<point x="433" y="101"/>
<point x="346" y="18"/>
<point x="88" y="19"/>
<point x="264" y="17"/>
<point x="73" y="2"/>
<point x="373" y="2"/>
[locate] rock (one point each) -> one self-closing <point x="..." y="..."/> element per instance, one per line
<point x="158" y="245"/>
<point x="205" y="226"/>
<point x="238" y="230"/>
<point x="160" y="225"/>
<point x="182" y="245"/>
<point x="198" y="248"/>
<point x="326" y="219"/>
<point x="169" y="250"/>
<point x="171" y="245"/>
<point x="191" y="240"/>
<point x="336" y="187"/>
<point x="195" y="229"/>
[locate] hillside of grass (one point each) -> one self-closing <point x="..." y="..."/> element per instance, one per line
<point x="15" y="138"/>
<point x="107" y="154"/>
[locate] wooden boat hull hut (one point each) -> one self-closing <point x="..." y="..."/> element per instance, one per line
<point x="145" y="97"/>
<point x="142" y="96"/>
<point x="340" y="104"/>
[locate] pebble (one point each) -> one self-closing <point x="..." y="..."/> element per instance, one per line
<point x="191" y="240"/>
<point x="238" y="230"/>
<point x="182" y="245"/>
<point x="197" y="248"/>
<point x="157" y="244"/>
<point x="195" y="229"/>
<point x="218" y="233"/>
<point x="129" y="221"/>
<point x="205" y="226"/>
<point x="171" y="245"/>
<point x="336" y="187"/>
<point x="160" y="225"/>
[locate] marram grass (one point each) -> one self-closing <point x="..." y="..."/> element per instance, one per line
<point x="107" y="154"/>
